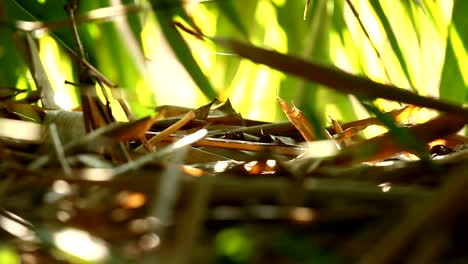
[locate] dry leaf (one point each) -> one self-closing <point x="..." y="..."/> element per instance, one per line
<point x="131" y="130"/>
<point x="399" y="115"/>
<point x="344" y="138"/>
<point x="384" y="146"/>
<point x="166" y="111"/>
<point x="202" y="112"/>
<point x="298" y="119"/>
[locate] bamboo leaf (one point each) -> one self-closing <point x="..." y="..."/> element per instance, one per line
<point x="228" y="9"/>
<point x="9" y="57"/>
<point x="181" y="49"/>
<point x="119" y="36"/>
<point x="297" y="118"/>
<point x="40" y="77"/>
<point x="334" y="78"/>
<point x="454" y="80"/>
<point x="46" y="12"/>
<point x="310" y="41"/>
<point x="132" y="130"/>
<point x="228" y="67"/>
<point x="392" y="39"/>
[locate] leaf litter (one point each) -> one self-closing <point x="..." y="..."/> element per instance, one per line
<point x="158" y="188"/>
<point x="240" y="160"/>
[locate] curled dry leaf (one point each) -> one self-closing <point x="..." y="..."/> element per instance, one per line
<point x="298" y="119"/>
<point x="345" y="139"/>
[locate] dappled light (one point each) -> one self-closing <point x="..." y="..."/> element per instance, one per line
<point x="81" y="244"/>
<point x="20" y="130"/>
<point x="302" y="214"/>
<point x="233" y="131"/>
<point x="16" y="226"/>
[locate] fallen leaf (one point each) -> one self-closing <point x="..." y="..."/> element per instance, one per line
<point x="132" y="130"/>
<point x="298" y="119"/>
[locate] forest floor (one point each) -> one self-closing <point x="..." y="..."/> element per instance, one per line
<point x="207" y="186"/>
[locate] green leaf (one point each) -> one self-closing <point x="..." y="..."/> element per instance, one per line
<point x="228" y="8"/>
<point x="228" y="67"/>
<point x="312" y="41"/>
<point x="46" y="11"/>
<point x="39" y="74"/>
<point x="334" y="78"/>
<point x="401" y="135"/>
<point x="9" y="56"/>
<point x="179" y="46"/>
<point x="454" y="80"/>
<point x="103" y="41"/>
<point x="392" y="39"/>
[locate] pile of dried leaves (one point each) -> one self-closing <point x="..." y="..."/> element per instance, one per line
<point x="206" y="185"/>
<point x="164" y="188"/>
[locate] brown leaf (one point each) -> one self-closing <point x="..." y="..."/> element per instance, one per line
<point x="131" y="130"/>
<point x="166" y="111"/>
<point x="168" y="131"/>
<point x="348" y="133"/>
<point x="399" y="115"/>
<point x="25" y="112"/>
<point x="202" y="112"/>
<point x="298" y="119"/>
<point x="345" y="137"/>
<point x="224" y="108"/>
<point x="450" y="141"/>
<point x="384" y="146"/>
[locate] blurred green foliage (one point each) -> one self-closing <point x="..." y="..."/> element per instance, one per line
<point x="234" y="245"/>
<point x="421" y="47"/>
<point x="8" y="255"/>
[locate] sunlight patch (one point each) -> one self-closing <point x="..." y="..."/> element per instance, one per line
<point x="81" y="244"/>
